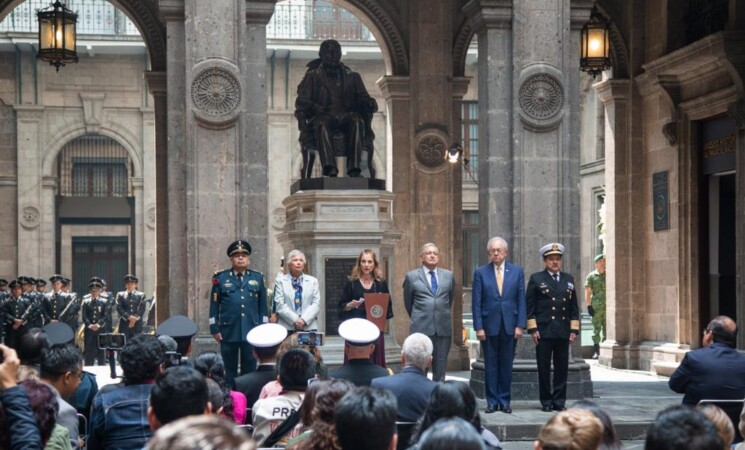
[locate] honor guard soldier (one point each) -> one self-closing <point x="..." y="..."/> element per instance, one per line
<point x="55" y="301"/>
<point x="41" y="286"/>
<point x="4" y="291"/>
<point x="237" y="305"/>
<point x="72" y="309"/>
<point x="360" y="336"/>
<point x="95" y="319"/>
<point x="15" y="308"/>
<point x="553" y="323"/>
<point x="33" y="314"/>
<point x="130" y="305"/>
<point x="595" y="301"/>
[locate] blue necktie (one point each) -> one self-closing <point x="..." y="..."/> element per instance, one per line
<point x="297" y="284"/>
<point x="433" y="281"/>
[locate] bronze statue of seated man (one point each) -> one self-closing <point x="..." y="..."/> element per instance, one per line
<point x="332" y="99"/>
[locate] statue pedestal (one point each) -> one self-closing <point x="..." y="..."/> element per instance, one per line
<point x="332" y="226"/>
<point x="525" y="373"/>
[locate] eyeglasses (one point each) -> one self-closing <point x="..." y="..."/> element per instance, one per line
<point x="497" y="251"/>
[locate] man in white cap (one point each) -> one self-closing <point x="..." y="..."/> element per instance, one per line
<point x="553" y="323"/>
<point x="265" y="340"/>
<point x="359" y="337"/>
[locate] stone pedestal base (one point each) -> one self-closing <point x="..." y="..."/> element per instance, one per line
<point x="525" y="380"/>
<point x="332" y="227"/>
<point x="525" y="373"/>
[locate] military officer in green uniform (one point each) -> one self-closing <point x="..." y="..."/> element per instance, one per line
<point x="237" y="304"/>
<point x="553" y="323"/>
<point x="595" y="301"/>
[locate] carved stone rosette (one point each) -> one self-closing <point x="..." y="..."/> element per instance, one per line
<point x="541" y="97"/>
<point x="430" y="149"/>
<point x="216" y="93"/>
<point x="30" y="217"/>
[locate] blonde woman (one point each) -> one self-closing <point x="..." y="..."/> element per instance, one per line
<point x="573" y="429"/>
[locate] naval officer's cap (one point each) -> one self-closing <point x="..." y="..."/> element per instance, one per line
<point x="129" y="277"/>
<point x="14" y="284"/>
<point x="359" y="331"/>
<point x="65" y="281"/>
<point x="239" y="246"/>
<point x="24" y="280"/>
<point x="3" y="282"/>
<point x="41" y="282"/>
<point x="59" y="333"/>
<point x="266" y="335"/>
<point x="95" y="284"/>
<point x="553" y="248"/>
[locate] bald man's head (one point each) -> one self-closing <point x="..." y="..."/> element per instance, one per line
<point x="723" y="330"/>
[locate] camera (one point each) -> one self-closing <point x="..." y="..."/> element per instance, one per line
<point x="111" y="341"/>
<point x="172" y="359"/>
<point x="312" y="338"/>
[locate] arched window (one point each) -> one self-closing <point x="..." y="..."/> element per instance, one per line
<point x="94" y="166"/>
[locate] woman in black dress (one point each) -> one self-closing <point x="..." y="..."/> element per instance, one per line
<point x="366" y="278"/>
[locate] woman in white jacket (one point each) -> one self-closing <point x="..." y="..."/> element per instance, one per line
<point x="297" y="298"/>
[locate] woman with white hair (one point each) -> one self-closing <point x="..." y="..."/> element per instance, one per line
<point x="297" y="298"/>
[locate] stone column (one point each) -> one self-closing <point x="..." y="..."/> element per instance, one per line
<point x="529" y="124"/>
<point x="146" y="270"/>
<point x="217" y="156"/>
<point x="619" y="225"/>
<point x="395" y="90"/>
<point x="30" y="214"/>
<point x="48" y="229"/>
<point x="736" y="112"/>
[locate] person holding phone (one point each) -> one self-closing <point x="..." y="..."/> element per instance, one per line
<point x="297" y="298"/>
<point x="366" y="278"/>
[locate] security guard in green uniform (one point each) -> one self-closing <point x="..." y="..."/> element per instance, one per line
<point x="237" y="304"/>
<point x="553" y="323"/>
<point x="595" y="301"/>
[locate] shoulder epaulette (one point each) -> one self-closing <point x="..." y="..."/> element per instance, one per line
<point x="256" y="271"/>
<point x="221" y="271"/>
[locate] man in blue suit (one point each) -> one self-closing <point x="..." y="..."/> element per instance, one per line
<point x="716" y="371"/>
<point x="411" y="386"/>
<point x="498" y="298"/>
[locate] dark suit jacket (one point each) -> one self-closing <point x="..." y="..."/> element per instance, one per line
<point x="552" y="307"/>
<point x="429" y="312"/>
<point x="359" y="371"/>
<point x="493" y="310"/>
<point x="713" y="372"/>
<point x="412" y="389"/>
<point x="251" y="383"/>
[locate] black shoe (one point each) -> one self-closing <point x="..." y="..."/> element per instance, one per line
<point x="559" y="408"/>
<point x="330" y="171"/>
<point x="547" y="408"/>
<point x="354" y="173"/>
<point x="506" y="409"/>
<point x="491" y="409"/>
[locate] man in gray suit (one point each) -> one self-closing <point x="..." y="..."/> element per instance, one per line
<point x="428" y="297"/>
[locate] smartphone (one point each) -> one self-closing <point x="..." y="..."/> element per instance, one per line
<point x="111" y="341"/>
<point x="312" y="338"/>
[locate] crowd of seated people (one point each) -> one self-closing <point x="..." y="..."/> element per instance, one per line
<point x="190" y="406"/>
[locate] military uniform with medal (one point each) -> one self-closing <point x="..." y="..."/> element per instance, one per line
<point x="237" y="305"/>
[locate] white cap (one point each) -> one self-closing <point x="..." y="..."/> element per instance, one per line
<point x="266" y="335"/>
<point x="553" y="248"/>
<point x="359" y="331"/>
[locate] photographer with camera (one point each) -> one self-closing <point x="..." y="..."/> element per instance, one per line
<point x="180" y="330"/>
<point x="119" y="412"/>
